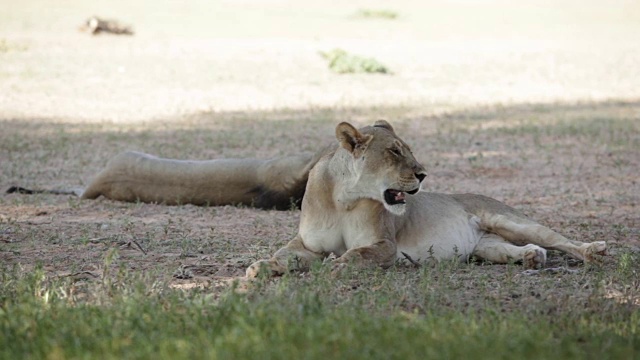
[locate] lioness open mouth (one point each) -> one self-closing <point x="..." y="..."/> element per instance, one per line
<point x="394" y="197"/>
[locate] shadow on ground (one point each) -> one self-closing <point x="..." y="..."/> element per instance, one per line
<point x="572" y="166"/>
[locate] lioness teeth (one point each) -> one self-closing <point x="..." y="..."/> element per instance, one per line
<point x="393" y="197"/>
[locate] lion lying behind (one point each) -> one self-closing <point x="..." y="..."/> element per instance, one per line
<point x="361" y="202"/>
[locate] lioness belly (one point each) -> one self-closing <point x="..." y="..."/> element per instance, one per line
<point x="436" y="227"/>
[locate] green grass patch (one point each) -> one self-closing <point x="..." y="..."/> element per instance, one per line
<point x="342" y="62"/>
<point x="399" y="313"/>
<point x="377" y="14"/>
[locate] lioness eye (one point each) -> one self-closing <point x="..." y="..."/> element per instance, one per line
<point x="395" y="151"/>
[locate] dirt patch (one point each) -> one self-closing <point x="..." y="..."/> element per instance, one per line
<point x="571" y="172"/>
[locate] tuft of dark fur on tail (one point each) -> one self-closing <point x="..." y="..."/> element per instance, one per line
<point x="21" y="190"/>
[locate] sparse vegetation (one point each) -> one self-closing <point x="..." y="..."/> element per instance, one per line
<point x="398" y="313"/>
<point x="342" y="62"/>
<point x="377" y="14"/>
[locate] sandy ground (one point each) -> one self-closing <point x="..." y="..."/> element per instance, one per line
<point x="264" y="55"/>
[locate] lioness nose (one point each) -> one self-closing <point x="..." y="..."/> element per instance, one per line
<point x="421" y="176"/>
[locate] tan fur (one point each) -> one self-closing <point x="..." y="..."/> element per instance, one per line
<point x="344" y="213"/>
<point x="133" y="176"/>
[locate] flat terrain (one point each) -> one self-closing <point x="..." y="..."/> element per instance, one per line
<point x="535" y="105"/>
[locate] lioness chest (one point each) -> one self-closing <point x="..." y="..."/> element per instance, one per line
<point x="340" y="230"/>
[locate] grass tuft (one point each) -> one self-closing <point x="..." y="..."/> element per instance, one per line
<point x="377" y="14"/>
<point x="342" y="62"/>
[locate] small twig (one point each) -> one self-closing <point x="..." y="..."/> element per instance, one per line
<point x="128" y="244"/>
<point x="553" y="270"/>
<point x="201" y="266"/>
<point x="139" y="246"/>
<point x="80" y="273"/>
<point x="98" y="240"/>
<point x="415" y="263"/>
<point x="29" y="222"/>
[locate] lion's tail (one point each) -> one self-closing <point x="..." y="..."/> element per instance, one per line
<point x="21" y="190"/>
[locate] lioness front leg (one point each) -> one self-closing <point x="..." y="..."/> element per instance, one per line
<point x="294" y="256"/>
<point x="382" y="253"/>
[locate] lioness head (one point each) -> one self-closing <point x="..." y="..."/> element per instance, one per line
<point x="382" y="166"/>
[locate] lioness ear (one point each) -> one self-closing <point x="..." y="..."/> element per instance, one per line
<point x="384" y="124"/>
<point x="350" y="138"/>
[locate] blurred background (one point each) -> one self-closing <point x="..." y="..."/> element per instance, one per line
<point x="218" y="56"/>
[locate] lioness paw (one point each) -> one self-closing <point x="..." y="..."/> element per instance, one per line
<point x="534" y="257"/>
<point x="263" y="266"/>
<point x="593" y="251"/>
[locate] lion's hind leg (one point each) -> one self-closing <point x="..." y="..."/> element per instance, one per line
<point x="494" y="248"/>
<point x="293" y="256"/>
<point x="520" y="231"/>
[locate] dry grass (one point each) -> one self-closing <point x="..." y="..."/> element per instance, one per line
<point x="573" y="167"/>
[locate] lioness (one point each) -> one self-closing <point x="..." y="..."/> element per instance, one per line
<point x="363" y="204"/>
<point x="360" y="201"/>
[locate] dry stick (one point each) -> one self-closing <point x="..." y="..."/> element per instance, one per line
<point x="137" y="245"/>
<point x="553" y="270"/>
<point x="79" y="273"/>
<point x="415" y="263"/>
<point x="201" y="265"/>
<point x="29" y="222"/>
